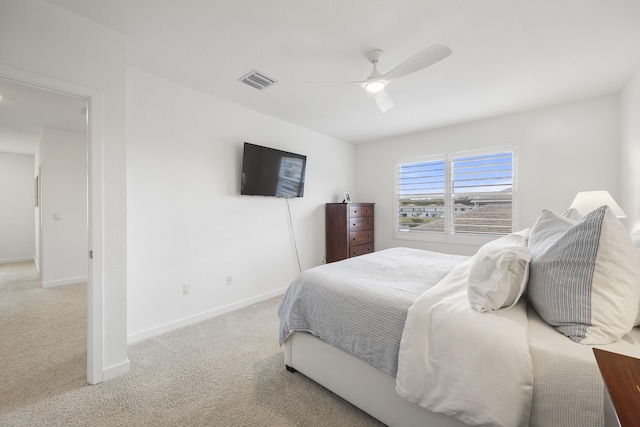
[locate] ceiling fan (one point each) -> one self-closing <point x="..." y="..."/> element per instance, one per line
<point x="377" y="82"/>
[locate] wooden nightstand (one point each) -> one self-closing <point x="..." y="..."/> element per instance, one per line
<point x="621" y="375"/>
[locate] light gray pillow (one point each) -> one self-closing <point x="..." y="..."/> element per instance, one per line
<point x="583" y="277"/>
<point x="572" y="214"/>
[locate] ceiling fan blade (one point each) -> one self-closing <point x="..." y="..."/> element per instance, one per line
<point x="384" y="101"/>
<point x="421" y="60"/>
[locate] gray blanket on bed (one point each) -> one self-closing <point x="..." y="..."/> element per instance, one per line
<point x="360" y="304"/>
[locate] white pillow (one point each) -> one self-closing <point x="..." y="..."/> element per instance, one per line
<point x="583" y="278"/>
<point x="499" y="272"/>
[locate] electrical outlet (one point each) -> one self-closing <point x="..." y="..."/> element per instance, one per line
<point x="323" y="259"/>
<point x="186" y="289"/>
<point x="229" y="280"/>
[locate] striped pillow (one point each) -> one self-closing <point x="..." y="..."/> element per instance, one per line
<point x="584" y="277"/>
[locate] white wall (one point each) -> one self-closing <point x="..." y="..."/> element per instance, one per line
<point x="561" y="150"/>
<point x="64" y="250"/>
<point x="17" y="198"/>
<point x="39" y="38"/>
<point x="630" y="152"/>
<point x="187" y="222"/>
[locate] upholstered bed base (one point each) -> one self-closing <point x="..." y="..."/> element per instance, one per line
<point x="356" y="381"/>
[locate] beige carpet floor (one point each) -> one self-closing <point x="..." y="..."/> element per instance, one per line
<point x="43" y="337"/>
<point x="226" y="371"/>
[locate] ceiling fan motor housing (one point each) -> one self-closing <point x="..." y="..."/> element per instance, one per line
<point x="374" y="55"/>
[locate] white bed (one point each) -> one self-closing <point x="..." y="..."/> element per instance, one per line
<point x="353" y="379"/>
<point x="560" y="386"/>
<point x="359" y="383"/>
<point x="374" y="392"/>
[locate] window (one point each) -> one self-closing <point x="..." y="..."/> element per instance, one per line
<point x="421" y="201"/>
<point x="457" y="194"/>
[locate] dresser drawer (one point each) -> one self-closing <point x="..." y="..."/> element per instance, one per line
<point x="361" y="223"/>
<point x="356" y="211"/>
<point x="361" y="249"/>
<point x="360" y="237"/>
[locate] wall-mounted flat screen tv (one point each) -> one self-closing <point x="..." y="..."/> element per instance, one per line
<point x="270" y="172"/>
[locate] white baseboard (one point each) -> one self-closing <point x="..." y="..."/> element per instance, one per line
<point x="12" y="260"/>
<point x="152" y="332"/>
<point x="116" y="371"/>
<point x="64" y="282"/>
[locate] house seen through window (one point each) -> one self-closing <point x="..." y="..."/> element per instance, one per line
<point x="456" y="194"/>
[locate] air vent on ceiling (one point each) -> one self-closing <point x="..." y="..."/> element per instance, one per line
<point x="258" y="80"/>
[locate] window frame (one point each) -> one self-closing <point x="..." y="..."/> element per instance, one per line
<point x="448" y="236"/>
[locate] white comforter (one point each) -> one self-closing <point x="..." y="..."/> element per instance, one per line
<point x="474" y="366"/>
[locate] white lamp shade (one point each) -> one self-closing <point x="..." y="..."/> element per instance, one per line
<point x="587" y="201"/>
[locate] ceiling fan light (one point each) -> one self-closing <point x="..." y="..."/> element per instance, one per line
<point x="375" y="86"/>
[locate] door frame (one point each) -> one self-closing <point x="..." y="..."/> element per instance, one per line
<point x="95" y="301"/>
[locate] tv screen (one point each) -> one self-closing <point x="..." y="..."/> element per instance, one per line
<point x="270" y="172"/>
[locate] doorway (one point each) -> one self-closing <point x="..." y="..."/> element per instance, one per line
<point x="94" y="288"/>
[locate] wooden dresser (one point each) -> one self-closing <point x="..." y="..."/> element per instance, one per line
<point x="349" y="230"/>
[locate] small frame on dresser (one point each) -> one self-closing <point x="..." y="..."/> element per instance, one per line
<point x="347" y="197"/>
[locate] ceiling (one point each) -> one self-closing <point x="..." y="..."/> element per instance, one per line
<point x="25" y="110"/>
<point x="508" y="55"/>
